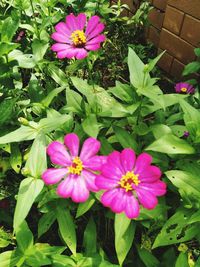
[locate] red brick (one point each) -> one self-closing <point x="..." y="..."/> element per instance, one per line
<point x="176" y="46"/>
<point x="177" y="69"/>
<point x="154" y="35"/>
<point x="156" y="18"/>
<point x="191" y="30"/>
<point x="160" y="4"/>
<point x="191" y="7"/>
<point x="166" y="61"/>
<point x="173" y="20"/>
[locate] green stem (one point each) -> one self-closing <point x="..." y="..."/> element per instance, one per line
<point x="35" y="22"/>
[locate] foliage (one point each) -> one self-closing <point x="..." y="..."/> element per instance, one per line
<point x="112" y="96"/>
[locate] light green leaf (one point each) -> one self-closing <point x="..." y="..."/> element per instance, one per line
<point x="170" y="144"/>
<point x="5" y="48"/>
<point x="85" y="206"/>
<point x="9" y="259"/>
<point x="24" y="237"/>
<point x="148" y="258"/>
<point x="91" y="126"/>
<point x="26" y="61"/>
<point x="15" y="157"/>
<point x="6" y="110"/>
<point x="9" y="28"/>
<point x="39" y="49"/>
<point x="37" y="160"/>
<point x="52" y="123"/>
<point x="28" y="191"/>
<point x="182" y="260"/>
<point x="90" y="238"/>
<point x="66" y="227"/>
<point x="23" y="133"/>
<point x="124" y="235"/>
<point x="49" y="98"/>
<point x="45" y="222"/>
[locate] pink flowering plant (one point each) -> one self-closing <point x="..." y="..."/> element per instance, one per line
<point x="99" y="152"/>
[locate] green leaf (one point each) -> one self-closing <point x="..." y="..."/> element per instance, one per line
<point x="197" y="52"/>
<point x="66" y="227"/>
<point x="73" y="101"/>
<point x="90" y="238"/>
<point x="186" y="182"/>
<point x="91" y="126"/>
<point x="39" y="49"/>
<point x="125" y="139"/>
<point x="182" y="260"/>
<point x="5" y="48"/>
<point x="26" y="61"/>
<point x="15" y="158"/>
<point x="191" y="68"/>
<point x="148" y="258"/>
<point x="23" y="133"/>
<point x="124" y="235"/>
<point x="28" y="191"/>
<point x="177" y="229"/>
<point x="57" y="75"/>
<point x="9" y="28"/>
<point x="24" y="237"/>
<point x="9" y="259"/>
<point x="85" y="206"/>
<point x="6" y="110"/>
<point x="170" y="144"/>
<point x="45" y="222"/>
<point x="153" y="62"/>
<point x="62" y="261"/>
<point x="122" y="91"/>
<point x="49" y="98"/>
<point x="52" y="123"/>
<point x="37" y="160"/>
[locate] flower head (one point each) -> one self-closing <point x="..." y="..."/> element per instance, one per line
<point x="128" y="180"/>
<point x="77" y="171"/>
<point x="184" y="88"/>
<point x="76" y="36"/>
<point x="186" y="134"/>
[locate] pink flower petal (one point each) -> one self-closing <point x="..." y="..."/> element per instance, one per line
<point x="112" y="171"/>
<point x="105" y="183"/>
<point x="59" y="47"/>
<point x="90" y="148"/>
<point x="149" y="174"/>
<point x="58" y="154"/>
<point x="62" y="28"/>
<point x="108" y="196"/>
<point x="61" y="38"/>
<point x="65" y="188"/>
<point x="81" y="21"/>
<point x="69" y="53"/>
<point x="118" y="203"/>
<point x="72" y="143"/>
<point x="158" y="188"/>
<point x="96" y="40"/>
<point x="93" y="47"/>
<point x="92" y="24"/>
<point x="80" y="191"/>
<point x="147" y="199"/>
<point x="99" y="28"/>
<point x="71" y="22"/>
<point x="90" y="180"/>
<point x="132" y="208"/>
<point x="128" y="159"/>
<point x="142" y="161"/>
<point x="81" y="53"/>
<point x="53" y="176"/>
<point x="95" y="163"/>
<point x="115" y="159"/>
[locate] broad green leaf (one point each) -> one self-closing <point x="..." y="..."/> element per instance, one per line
<point x="23" y="133"/>
<point x="66" y="228"/>
<point x="26" y="61"/>
<point x="90" y="125"/>
<point x="29" y="189"/>
<point x="74" y="100"/>
<point x="24" y="237"/>
<point x="123" y="91"/>
<point x="148" y="258"/>
<point x="37" y="160"/>
<point x="160" y="130"/>
<point x="45" y="222"/>
<point x="124" y="235"/>
<point x="5" y="48"/>
<point x="85" y="206"/>
<point x="39" y="49"/>
<point x="125" y="139"/>
<point x="192" y="67"/>
<point x="177" y="229"/>
<point x="49" y="98"/>
<point x="9" y="259"/>
<point x="9" y="28"/>
<point x="57" y="75"/>
<point x="6" y="110"/>
<point x="186" y="182"/>
<point x="50" y="124"/>
<point x="15" y="158"/>
<point x="170" y="144"/>
<point x="62" y="261"/>
<point x="149" y="67"/>
<point x="90" y="238"/>
<point x="182" y="260"/>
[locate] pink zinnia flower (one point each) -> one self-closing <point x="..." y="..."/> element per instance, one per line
<point x="78" y="172"/>
<point x="75" y="37"/>
<point x="128" y="180"/>
<point x="184" y="88"/>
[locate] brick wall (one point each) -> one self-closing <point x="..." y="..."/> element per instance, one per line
<point x="175" y="27"/>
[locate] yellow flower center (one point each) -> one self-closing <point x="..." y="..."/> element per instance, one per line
<point x="128" y="179"/>
<point x="78" y="38"/>
<point x="184" y="89"/>
<point x="76" y="167"/>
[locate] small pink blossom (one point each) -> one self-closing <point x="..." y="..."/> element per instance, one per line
<point x="76" y="176"/>
<point x="75" y="37"/>
<point x="184" y="88"/>
<point x="129" y="180"/>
